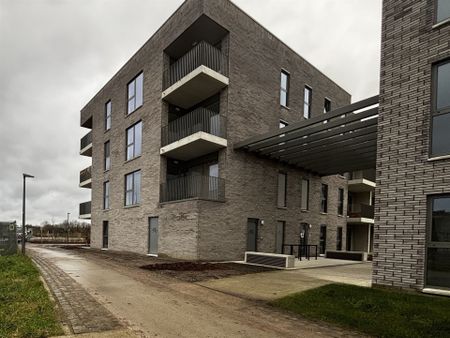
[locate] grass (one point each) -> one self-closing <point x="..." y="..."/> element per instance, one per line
<point x="25" y="307"/>
<point x="377" y="312"/>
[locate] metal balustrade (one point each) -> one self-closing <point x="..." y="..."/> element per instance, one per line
<point x="193" y="186"/>
<point x="85" y="208"/>
<point x="85" y="174"/>
<point x="86" y="140"/>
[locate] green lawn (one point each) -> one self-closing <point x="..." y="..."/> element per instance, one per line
<point x="377" y="312"/>
<point x="25" y="308"/>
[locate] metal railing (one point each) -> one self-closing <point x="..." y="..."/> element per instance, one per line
<point x="366" y="211"/>
<point x="193" y="186"/>
<point x="303" y="250"/>
<point x="85" y="208"/>
<point x="202" y="54"/>
<point x="200" y="119"/>
<point x="86" y="140"/>
<point x="86" y="174"/>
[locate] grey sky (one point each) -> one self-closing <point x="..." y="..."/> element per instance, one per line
<point x="56" y="54"/>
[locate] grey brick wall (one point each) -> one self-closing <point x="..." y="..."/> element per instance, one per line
<point x="204" y="229"/>
<point x="405" y="177"/>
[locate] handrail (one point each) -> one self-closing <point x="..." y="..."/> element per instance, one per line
<point x="302" y="250"/>
<point x="193" y="186"/>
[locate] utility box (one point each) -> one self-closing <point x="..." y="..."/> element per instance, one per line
<point x="8" y="238"/>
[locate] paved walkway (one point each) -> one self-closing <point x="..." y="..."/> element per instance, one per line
<point x="161" y="306"/>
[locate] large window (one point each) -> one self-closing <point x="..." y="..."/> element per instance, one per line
<point x="134" y="141"/>
<point x="135" y="93"/>
<point x="133" y="188"/>
<point x="108" y="112"/>
<point x="340" y="202"/>
<point x="282" y="180"/>
<point x="107" y="157"/>
<point x="440" y="139"/>
<point x="324" y="198"/>
<point x="307" y="102"/>
<point x="305" y="195"/>
<point x="438" y="244"/>
<point x="106" y="195"/>
<point x="284" y="89"/>
<point x="442" y="10"/>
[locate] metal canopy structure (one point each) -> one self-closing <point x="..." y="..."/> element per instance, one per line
<point x="342" y="140"/>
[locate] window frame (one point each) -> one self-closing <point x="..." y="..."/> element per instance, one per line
<point x="137" y="201"/>
<point x="307" y="195"/>
<point x="309" y="105"/>
<point x="106" y="194"/>
<point x="133" y="144"/>
<point x="284" y="204"/>
<point x="287" y="89"/>
<point x="324" y="198"/>
<point x="340" y="204"/>
<point x="107" y="155"/>
<point x="108" y="115"/>
<point x="434" y="110"/>
<point x="133" y="97"/>
<point x="436" y="22"/>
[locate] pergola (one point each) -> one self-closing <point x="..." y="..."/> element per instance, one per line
<point x="342" y="140"/>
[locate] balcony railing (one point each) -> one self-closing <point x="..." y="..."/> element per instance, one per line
<point x="85" y="174"/>
<point x="193" y="186"/>
<point x="200" y="119"/>
<point x="86" y="140"/>
<point x="85" y="208"/>
<point x="366" y="211"/>
<point x="202" y="54"/>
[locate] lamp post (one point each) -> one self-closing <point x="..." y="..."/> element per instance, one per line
<point x="25" y="176"/>
<point x="67" y="228"/>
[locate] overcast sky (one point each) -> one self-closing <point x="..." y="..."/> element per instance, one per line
<point x="56" y="54"/>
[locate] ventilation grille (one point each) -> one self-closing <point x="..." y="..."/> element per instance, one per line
<point x="279" y="262"/>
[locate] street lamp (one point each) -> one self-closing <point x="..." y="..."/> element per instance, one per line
<point x="67" y="228"/>
<point x="25" y="176"/>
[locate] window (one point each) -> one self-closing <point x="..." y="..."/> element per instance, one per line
<point x="135" y="93"/>
<point x="440" y="134"/>
<point x="305" y="195"/>
<point x="108" y="111"/>
<point x="282" y="190"/>
<point x="324" y="198"/>
<point x="326" y="105"/>
<point x="438" y="243"/>
<point x="283" y="124"/>
<point x="133" y="188"/>
<point x="107" y="154"/>
<point x="106" y="195"/>
<point x="105" y="234"/>
<point x="340" y="202"/>
<point x="134" y="141"/>
<point x="284" y="89"/>
<point x="442" y="10"/>
<point x="307" y="103"/>
<point x="323" y="239"/>
<point x="339" y="239"/>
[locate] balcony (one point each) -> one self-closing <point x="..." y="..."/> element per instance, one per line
<point x="86" y="178"/>
<point x="86" y="145"/>
<point x="193" y="187"/>
<point x="85" y="210"/>
<point x="365" y="214"/>
<point x="197" y="75"/>
<point x="195" y="134"/>
<point x="361" y="181"/>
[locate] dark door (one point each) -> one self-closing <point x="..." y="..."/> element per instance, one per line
<point x="339" y="239"/>
<point x="279" y="237"/>
<point x="323" y="239"/>
<point x="105" y="234"/>
<point x="349" y="238"/>
<point x="153" y="230"/>
<point x="304" y="234"/>
<point x="252" y="233"/>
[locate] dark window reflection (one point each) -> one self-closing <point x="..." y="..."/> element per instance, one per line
<point x="440" y="230"/>
<point x="438" y="267"/>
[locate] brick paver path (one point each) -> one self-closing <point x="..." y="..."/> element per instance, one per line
<point x="81" y="312"/>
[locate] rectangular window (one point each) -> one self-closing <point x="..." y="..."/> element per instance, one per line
<point x="339" y="239"/>
<point x="107" y="156"/>
<point x="307" y="102"/>
<point x="108" y="111"/>
<point x="135" y="93"/>
<point x="283" y="124"/>
<point x="106" y="195"/>
<point x="284" y="89"/>
<point x="440" y="134"/>
<point x="282" y="178"/>
<point x="323" y="239"/>
<point x="438" y="243"/>
<point x="105" y="234"/>
<point x="442" y="10"/>
<point x="340" y="202"/>
<point x="133" y="188"/>
<point x="324" y="198"/>
<point x="134" y="141"/>
<point x="305" y="195"/>
<point x="326" y="105"/>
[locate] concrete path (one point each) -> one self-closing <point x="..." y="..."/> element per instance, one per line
<point x="169" y="308"/>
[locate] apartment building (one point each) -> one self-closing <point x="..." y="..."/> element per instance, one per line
<point x="412" y="209"/>
<point x="166" y="178"/>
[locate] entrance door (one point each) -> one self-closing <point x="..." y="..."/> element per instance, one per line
<point x="252" y="233"/>
<point x="279" y="237"/>
<point x="105" y="234"/>
<point x="304" y="234"/>
<point x="153" y="236"/>
<point x="323" y="239"/>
